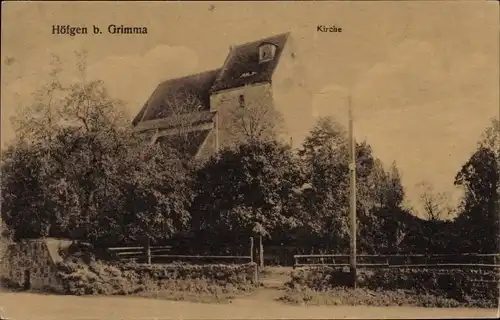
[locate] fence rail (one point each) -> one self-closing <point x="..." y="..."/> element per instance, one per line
<point x="401" y="261"/>
<point x="161" y="254"/>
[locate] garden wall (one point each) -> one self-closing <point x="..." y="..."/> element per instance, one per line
<point x="128" y="278"/>
<point x="463" y="285"/>
<point x="31" y="264"/>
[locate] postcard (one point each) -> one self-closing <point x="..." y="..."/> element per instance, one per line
<point x="249" y="159"/>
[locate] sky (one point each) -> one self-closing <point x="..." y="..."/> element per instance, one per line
<point x="423" y="76"/>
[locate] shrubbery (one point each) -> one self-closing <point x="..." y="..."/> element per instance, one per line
<point x="362" y="296"/>
<point x="471" y="287"/>
<point x="168" y="280"/>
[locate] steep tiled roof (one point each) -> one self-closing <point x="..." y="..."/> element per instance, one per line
<point x="187" y="144"/>
<point x="184" y="120"/>
<point x="192" y="90"/>
<point x="242" y="66"/>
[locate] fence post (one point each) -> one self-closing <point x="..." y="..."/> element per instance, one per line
<point x="148" y="251"/>
<point x="251" y="249"/>
<point x="255" y="273"/>
<point x="261" y="253"/>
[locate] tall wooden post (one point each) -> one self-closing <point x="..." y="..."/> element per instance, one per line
<point x="251" y="249"/>
<point x="352" y="169"/>
<point x="256" y="267"/>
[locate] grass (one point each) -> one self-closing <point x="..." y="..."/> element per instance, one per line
<point x="275" y="271"/>
<point x="191" y="290"/>
<point x="356" y="297"/>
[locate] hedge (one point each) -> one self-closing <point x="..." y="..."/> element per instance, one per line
<point x="127" y="278"/>
<point x="464" y="285"/>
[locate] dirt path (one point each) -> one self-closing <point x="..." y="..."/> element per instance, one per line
<point x="261" y="304"/>
<point x="272" y="285"/>
<point x="29" y="306"/>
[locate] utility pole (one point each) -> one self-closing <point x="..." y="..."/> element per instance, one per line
<point x="352" y="206"/>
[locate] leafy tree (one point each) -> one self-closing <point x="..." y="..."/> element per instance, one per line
<point x="24" y="208"/>
<point x="76" y="164"/>
<point x="246" y="191"/>
<point x="324" y="205"/>
<point x="436" y="205"/>
<point x="382" y="229"/>
<point x="477" y="225"/>
<point x="478" y="222"/>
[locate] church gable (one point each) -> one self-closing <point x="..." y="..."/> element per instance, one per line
<point x="250" y="63"/>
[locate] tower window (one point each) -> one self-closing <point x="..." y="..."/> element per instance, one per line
<point x="266" y="52"/>
<point x="242" y="101"/>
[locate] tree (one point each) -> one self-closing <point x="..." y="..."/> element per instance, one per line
<point x="182" y="110"/>
<point x="254" y="120"/>
<point x="22" y="191"/>
<point x="478" y="220"/>
<point x="325" y="205"/>
<point x="491" y="138"/>
<point x="82" y="164"/>
<point x="381" y="195"/>
<point x="436" y="205"/>
<point x="246" y="191"/>
<point x="324" y="156"/>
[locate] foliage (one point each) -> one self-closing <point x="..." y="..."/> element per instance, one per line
<point x="472" y="287"/>
<point x="167" y="281"/>
<point x="362" y="296"/>
<point x="436" y="204"/>
<point x="76" y="170"/>
<point x="477" y="225"/>
<point x="325" y="205"/>
<point x="254" y="120"/>
<point x="479" y="221"/>
<point x="246" y="191"/>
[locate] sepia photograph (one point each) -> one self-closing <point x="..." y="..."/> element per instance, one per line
<point x="249" y="160"/>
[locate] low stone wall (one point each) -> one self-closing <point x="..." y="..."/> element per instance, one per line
<point x="99" y="277"/>
<point x="31" y="264"/>
<point x="463" y="285"/>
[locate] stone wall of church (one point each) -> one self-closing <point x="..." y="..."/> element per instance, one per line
<point x="243" y="113"/>
<point x="292" y="94"/>
<point x="29" y="265"/>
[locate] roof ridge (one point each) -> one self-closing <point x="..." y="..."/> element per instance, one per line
<point x="191" y="75"/>
<point x="222" y="78"/>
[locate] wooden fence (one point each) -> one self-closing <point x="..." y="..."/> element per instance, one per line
<point x="163" y="254"/>
<point x="400" y="261"/>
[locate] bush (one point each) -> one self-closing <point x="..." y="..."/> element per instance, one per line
<point x="173" y="281"/>
<point x="469" y="287"/>
<point x="361" y="296"/>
